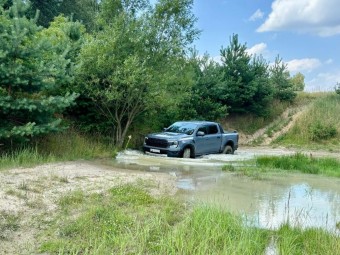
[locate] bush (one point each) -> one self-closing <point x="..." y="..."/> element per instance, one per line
<point x="319" y="131"/>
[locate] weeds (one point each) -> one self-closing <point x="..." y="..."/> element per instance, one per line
<point x="302" y="163"/>
<point x="128" y="220"/>
<point x="8" y="223"/>
<point x="310" y="241"/>
<point x="69" y="145"/>
<point x="319" y="127"/>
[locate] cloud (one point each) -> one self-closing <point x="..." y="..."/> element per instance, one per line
<point x="303" y="65"/>
<point x="323" y="81"/>
<point x="320" y="17"/>
<point x="257" y="49"/>
<point x="256" y="15"/>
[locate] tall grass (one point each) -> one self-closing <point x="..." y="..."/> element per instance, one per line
<point x="128" y="220"/>
<point x="310" y="241"/>
<point x="68" y="145"/>
<point x="302" y="163"/>
<point x="321" y="119"/>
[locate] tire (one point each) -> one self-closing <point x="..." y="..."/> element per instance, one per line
<point x="228" y="150"/>
<point x="186" y="153"/>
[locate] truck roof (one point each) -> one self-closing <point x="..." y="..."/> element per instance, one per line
<point x="197" y="122"/>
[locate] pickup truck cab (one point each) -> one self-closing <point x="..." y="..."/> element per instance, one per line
<point x="189" y="139"/>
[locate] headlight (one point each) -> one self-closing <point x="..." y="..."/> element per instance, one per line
<point x="145" y="139"/>
<point x="173" y="143"/>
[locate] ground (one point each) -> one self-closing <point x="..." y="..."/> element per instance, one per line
<point x="29" y="196"/>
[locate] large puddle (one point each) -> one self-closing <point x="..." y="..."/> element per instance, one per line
<point x="300" y="199"/>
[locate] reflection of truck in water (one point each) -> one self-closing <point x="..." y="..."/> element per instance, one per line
<point x="189" y="139"/>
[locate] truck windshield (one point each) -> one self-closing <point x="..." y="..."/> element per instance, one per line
<point x="182" y="128"/>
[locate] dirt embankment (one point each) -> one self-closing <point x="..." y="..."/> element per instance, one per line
<point x="29" y="196"/>
<point x="266" y="135"/>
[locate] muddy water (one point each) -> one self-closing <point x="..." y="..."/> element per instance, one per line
<point x="300" y="199"/>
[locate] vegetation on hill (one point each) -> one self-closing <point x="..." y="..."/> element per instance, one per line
<point x="318" y="126"/>
<point x="116" y="66"/>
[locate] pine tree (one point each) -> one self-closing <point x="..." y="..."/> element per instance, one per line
<point x="30" y="69"/>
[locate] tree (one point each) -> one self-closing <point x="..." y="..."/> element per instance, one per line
<point x="30" y="69"/>
<point x="135" y="62"/>
<point x="298" y="82"/>
<point x="47" y="10"/>
<point x="280" y="79"/>
<point x="337" y="88"/>
<point x="203" y="102"/>
<point x="245" y="86"/>
<point x="84" y="11"/>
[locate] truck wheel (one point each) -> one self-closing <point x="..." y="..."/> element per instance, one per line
<point x="186" y="153"/>
<point x="228" y="150"/>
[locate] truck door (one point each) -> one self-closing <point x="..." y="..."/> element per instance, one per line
<point x="200" y="141"/>
<point x="210" y="142"/>
<point x="213" y="139"/>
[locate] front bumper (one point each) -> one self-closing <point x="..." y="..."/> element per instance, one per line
<point x="170" y="152"/>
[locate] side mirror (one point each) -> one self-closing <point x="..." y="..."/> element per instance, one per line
<point x="200" y="133"/>
<point x="164" y="129"/>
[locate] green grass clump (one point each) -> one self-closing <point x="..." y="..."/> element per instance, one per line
<point x="310" y="241"/>
<point x="301" y="163"/>
<point x="209" y="230"/>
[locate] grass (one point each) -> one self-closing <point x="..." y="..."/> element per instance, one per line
<point x="69" y="145"/>
<point x="301" y="163"/>
<point x="310" y="241"/>
<point x="128" y="220"/>
<point x="319" y="127"/>
<point x="241" y="122"/>
<point x="8" y="223"/>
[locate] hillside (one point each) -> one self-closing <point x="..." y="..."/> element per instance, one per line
<point x="312" y="121"/>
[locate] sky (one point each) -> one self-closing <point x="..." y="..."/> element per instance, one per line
<point x="304" y="33"/>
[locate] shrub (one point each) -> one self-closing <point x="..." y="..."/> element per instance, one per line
<point x="318" y="131"/>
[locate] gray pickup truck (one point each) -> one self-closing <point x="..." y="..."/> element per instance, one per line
<point x="189" y="139"/>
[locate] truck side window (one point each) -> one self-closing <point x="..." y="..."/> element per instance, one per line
<point x="212" y="129"/>
<point x="203" y="129"/>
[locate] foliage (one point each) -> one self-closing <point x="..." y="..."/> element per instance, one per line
<point x="120" y="65"/>
<point x="323" y="109"/>
<point x="203" y="103"/>
<point x="244" y="87"/>
<point x="46" y="10"/>
<point x="319" y="131"/>
<point x="280" y="80"/>
<point x="298" y="82"/>
<point x="84" y="11"/>
<point x="30" y="70"/>
<point x="337" y="88"/>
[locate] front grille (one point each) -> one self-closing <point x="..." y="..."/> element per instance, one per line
<point x="161" y="143"/>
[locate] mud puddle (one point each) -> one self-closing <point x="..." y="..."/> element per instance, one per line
<point x="300" y="199"/>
